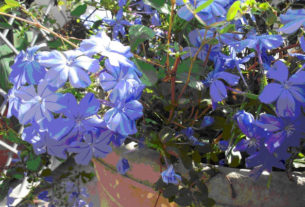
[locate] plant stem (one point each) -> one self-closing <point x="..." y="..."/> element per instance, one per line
<point x="38" y="25"/>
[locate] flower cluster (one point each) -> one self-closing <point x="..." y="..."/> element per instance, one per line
<point x="57" y="123"/>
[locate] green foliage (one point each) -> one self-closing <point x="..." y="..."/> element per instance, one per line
<point x="6" y="57"/>
<point x="161" y="5"/>
<point x="203" y="6"/>
<point x="138" y="34"/>
<point x="235" y="7"/>
<point x="150" y="74"/>
<point x="79" y="10"/>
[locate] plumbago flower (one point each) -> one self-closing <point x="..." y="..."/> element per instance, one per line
<point x="72" y="65"/>
<point x="123" y="79"/>
<point x="169" y="176"/>
<point x="292" y="20"/>
<point x="36" y="106"/>
<point x="26" y="68"/>
<point x="254" y="144"/>
<point x="196" y="38"/>
<point x="80" y="118"/>
<point x="118" y="24"/>
<point x="122" y="166"/>
<point x="258" y="42"/>
<point x="93" y="143"/>
<point x="121" y="118"/>
<point x="255" y="136"/>
<point x="289" y="94"/>
<point x="210" y="14"/>
<point x="218" y="90"/>
<point x="115" y="51"/>
<point x="155" y="17"/>
<point x="285" y="131"/>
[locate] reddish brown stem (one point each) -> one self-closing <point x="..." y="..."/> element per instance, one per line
<point x="173" y="88"/>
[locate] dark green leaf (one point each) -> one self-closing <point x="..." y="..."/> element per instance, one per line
<point x="18" y="176"/>
<point x="161" y="5"/>
<point x="54" y="44"/>
<point x="4" y="25"/>
<point x="6" y="56"/>
<point x="33" y="164"/>
<point x="138" y="34"/>
<point x="209" y="202"/>
<point x="166" y="134"/>
<point x="21" y="42"/>
<point x="184" y="197"/>
<point x="46" y="172"/>
<point x="79" y="10"/>
<point x="203" y="190"/>
<point x="150" y="76"/>
<point x="170" y="190"/>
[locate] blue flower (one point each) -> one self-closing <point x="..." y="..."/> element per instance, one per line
<point x="38" y="105"/>
<point x="189" y="132"/>
<point x="284" y="131"/>
<point x="122" y="166"/>
<point x="263" y="160"/>
<point x="258" y="42"/>
<point x="79" y="118"/>
<point x="93" y="143"/>
<point x="115" y="51"/>
<point x="210" y="14"/>
<point x="10" y="200"/>
<point x="255" y="136"/>
<point x="207" y="121"/>
<point x="26" y="69"/>
<point x="289" y="94"/>
<point x="223" y="145"/>
<point x="118" y="24"/>
<point x="292" y="20"/>
<point x="44" y="195"/>
<point x="121" y="78"/>
<point x="121" y="118"/>
<point x="218" y="90"/>
<point x="71" y="64"/>
<point x="169" y="176"/>
<point x="300" y="55"/>
<point x="196" y="38"/>
<point x="13" y="103"/>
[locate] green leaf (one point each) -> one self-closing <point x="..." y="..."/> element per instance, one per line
<point x="79" y="10"/>
<point x="138" y="34"/>
<point x="12" y="3"/>
<point x="170" y="190"/>
<point x="233" y="10"/>
<point x="184" y="197"/>
<point x="4" y="25"/>
<point x="6" y="56"/>
<point x="54" y="44"/>
<point x="46" y="172"/>
<point x="150" y="76"/>
<point x="228" y="29"/>
<point x="18" y="176"/>
<point x="21" y="42"/>
<point x="161" y="5"/>
<point x="33" y="164"/>
<point x="166" y="134"/>
<point x="12" y="136"/>
<point x="203" y="6"/>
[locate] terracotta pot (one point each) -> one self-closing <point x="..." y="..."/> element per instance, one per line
<point x="229" y="187"/>
<point x="135" y="188"/>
